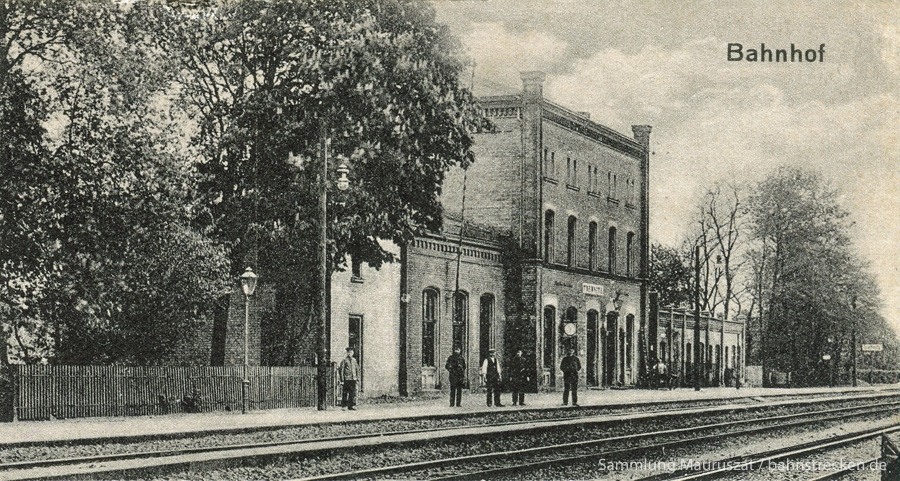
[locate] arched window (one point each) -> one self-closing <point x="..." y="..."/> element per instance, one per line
<point x="548" y="236"/>
<point x="629" y="254"/>
<point x="612" y="250"/>
<point x="549" y="338"/>
<point x="460" y="319"/>
<point x="592" y="246"/>
<point x="486" y="325"/>
<point x="570" y="243"/>
<point x="430" y="298"/>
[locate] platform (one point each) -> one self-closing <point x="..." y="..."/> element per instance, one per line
<point x="91" y="428"/>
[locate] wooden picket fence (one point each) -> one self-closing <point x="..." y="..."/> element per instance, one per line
<point x="53" y="391"/>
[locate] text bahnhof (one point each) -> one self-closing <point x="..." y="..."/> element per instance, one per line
<point x="737" y="53"/>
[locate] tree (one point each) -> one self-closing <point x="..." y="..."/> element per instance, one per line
<point x="264" y="79"/>
<point x="805" y="272"/>
<point x="109" y="206"/>
<point x="670" y="276"/>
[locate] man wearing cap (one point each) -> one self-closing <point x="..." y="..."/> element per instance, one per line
<point x="519" y="374"/>
<point x="490" y="375"/>
<point x="349" y="375"/>
<point x="570" y="366"/>
<point x="456" y="365"/>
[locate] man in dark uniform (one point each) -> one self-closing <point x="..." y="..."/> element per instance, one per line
<point x="519" y="375"/>
<point x="490" y="374"/>
<point x="456" y="365"/>
<point x="570" y="366"/>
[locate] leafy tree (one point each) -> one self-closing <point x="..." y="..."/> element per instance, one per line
<point x="670" y="276"/>
<point x="266" y="79"/>
<point x="122" y="272"/>
<point x="808" y="277"/>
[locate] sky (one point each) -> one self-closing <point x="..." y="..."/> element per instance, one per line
<point x="665" y="64"/>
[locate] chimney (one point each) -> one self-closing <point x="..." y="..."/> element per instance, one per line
<point x="642" y="134"/>
<point x="533" y="84"/>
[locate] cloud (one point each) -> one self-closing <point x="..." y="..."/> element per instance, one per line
<point x="500" y="55"/>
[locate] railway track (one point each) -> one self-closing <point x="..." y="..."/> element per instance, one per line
<point x="168" y="460"/>
<point x="484" y="466"/>
<point x="785" y="453"/>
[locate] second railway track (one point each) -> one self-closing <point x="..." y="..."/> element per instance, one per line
<point x="223" y="457"/>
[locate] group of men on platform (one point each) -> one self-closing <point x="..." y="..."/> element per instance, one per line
<point x="520" y="372"/>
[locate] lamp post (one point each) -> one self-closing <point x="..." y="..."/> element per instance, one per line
<point x="248" y="285"/>
<point x="343" y="183"/>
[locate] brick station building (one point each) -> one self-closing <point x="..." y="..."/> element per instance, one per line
<point x="553" y="254"/>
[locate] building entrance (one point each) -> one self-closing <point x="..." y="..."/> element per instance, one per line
<point x="609" y="349"/>
<point x="593" y="379"/>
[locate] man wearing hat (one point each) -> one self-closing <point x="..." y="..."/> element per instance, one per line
<point x="490" y="375"/>
<point x="456" y="365"/>
<point x="349" y="375"/>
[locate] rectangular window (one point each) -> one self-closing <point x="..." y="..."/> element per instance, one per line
<point x="609" y="190"/>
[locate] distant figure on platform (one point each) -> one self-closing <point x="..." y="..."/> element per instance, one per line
<point x="662" y="374"/>
<point x="349" y="375"/>
<point x="570" y="366"/>
<point x="519" y="376"/>
<point x="490" y="375"/>
<point x="456" y="365"/>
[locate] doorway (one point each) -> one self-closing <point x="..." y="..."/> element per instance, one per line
<point x="355" y="340"/>
<point x="609" y="349"/>
<point x="592" y="378"/>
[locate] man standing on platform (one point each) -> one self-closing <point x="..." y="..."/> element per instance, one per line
<point x="570" y="366"/>
<point x="490" y="375"/>
<point x="519" y="375"/>
<point x="456" y="365"/>
<point x="349" y="375"/>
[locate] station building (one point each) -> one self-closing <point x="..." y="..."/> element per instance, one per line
<point x="544" y="248"/>
<point x="722" y="341"/>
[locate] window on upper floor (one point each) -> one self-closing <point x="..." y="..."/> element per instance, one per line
<point x="629" y="254"/>
<point x="570" y="244"/>
<point x="355" y="268"/>
<point x="609" y="189"/>
<point x="548" y="236"/>
<point x="575" y="173"/>
<point x="612" y="250"/>
<point x="592" y="246"/>
<point x="569" y="170"/>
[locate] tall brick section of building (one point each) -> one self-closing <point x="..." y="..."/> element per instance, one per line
<point x="573" y="195"/>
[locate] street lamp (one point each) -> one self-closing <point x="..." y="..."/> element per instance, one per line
<point x="248" y="285"/>
<point x="343" y="183"/>
<point x="827" y="358"/>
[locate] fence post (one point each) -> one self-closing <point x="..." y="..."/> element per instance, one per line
<point x="8" y="394"/>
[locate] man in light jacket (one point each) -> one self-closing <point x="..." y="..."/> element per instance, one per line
<point x="490" y="375"/>
<point x="349" y="375"/>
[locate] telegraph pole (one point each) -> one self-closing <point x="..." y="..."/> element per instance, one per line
<point x="322" y="257"/>
<point x="697" y="319"/>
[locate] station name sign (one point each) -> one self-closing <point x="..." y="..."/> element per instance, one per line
<point x="592" y="289"/>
